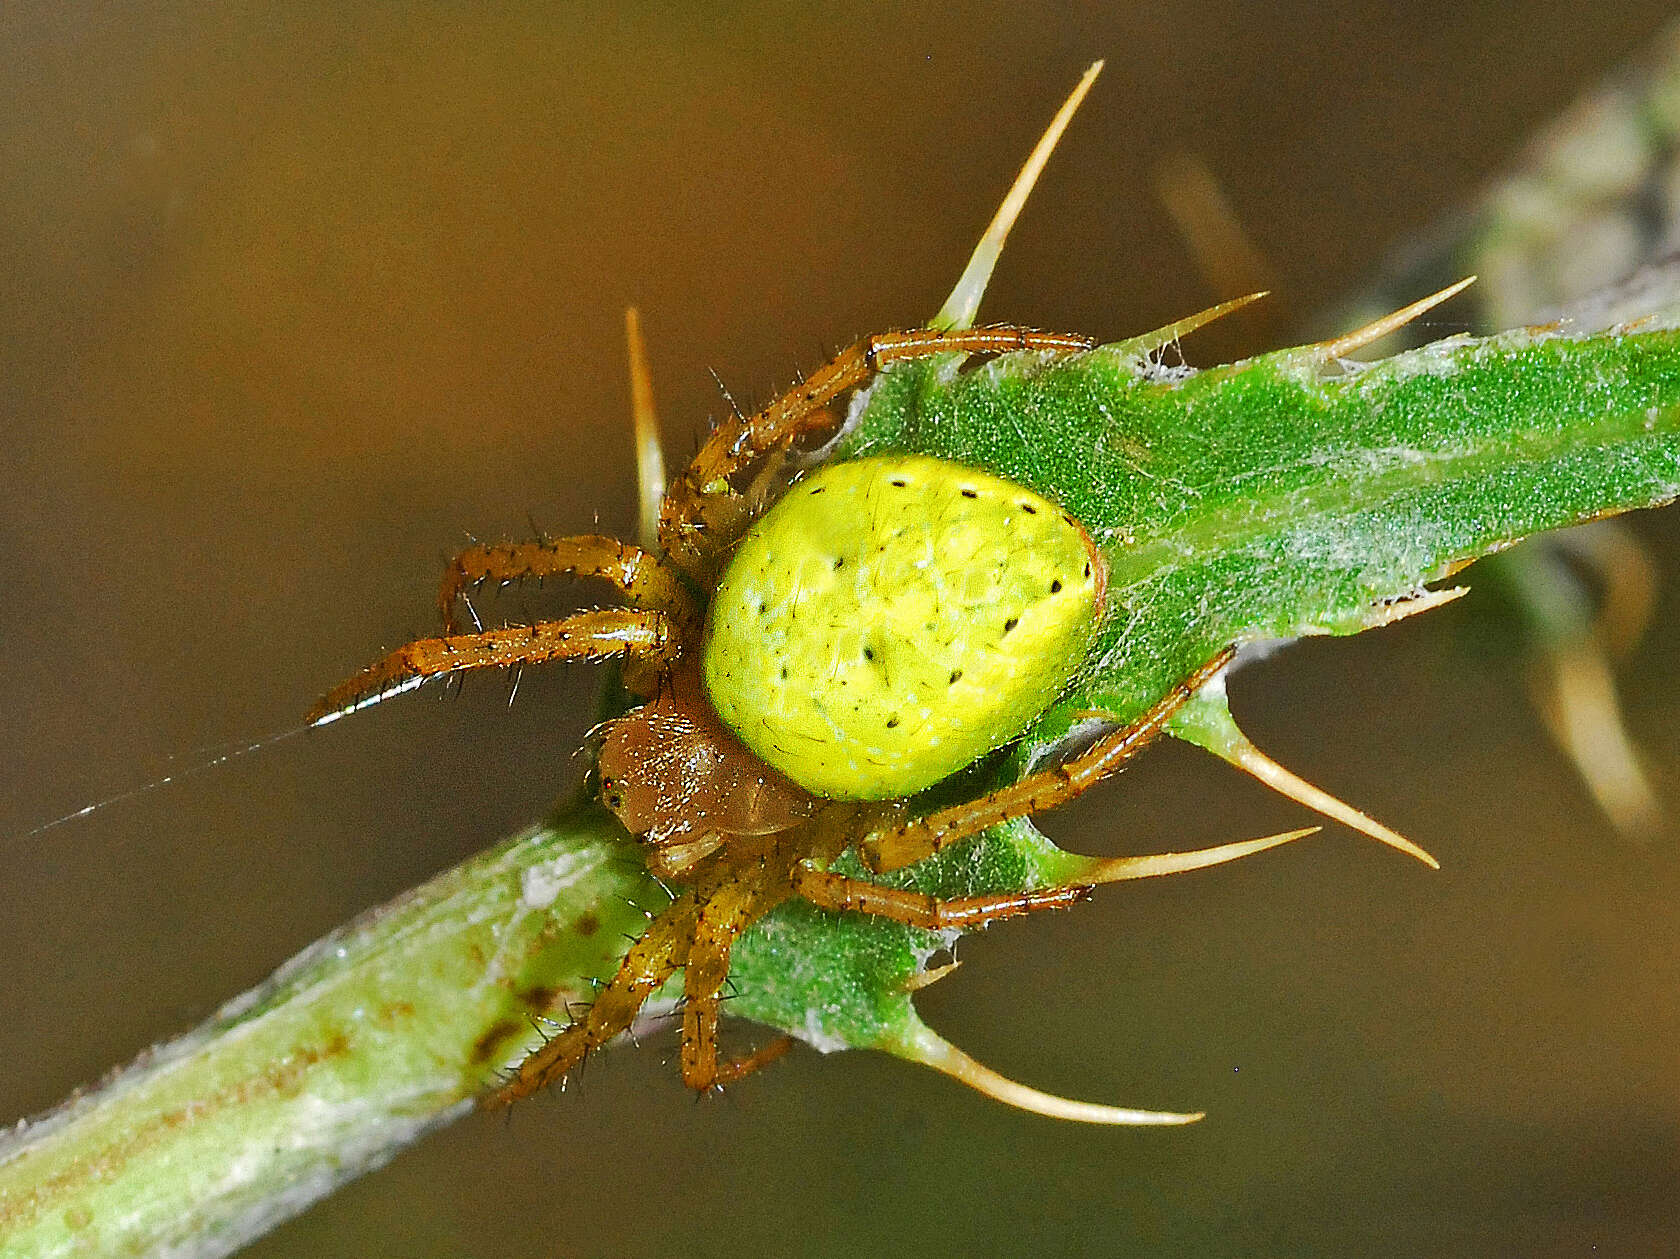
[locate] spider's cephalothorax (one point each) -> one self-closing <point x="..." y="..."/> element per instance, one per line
<point x="885" y="622"/>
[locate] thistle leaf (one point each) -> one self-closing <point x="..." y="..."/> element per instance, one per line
<point x="1277" y="497"/>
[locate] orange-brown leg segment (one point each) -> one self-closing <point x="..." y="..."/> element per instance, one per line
<point x="1037" y="792"/>
<point x="650" y="962"/>
<point x="586" y="636"/>
<point x="723" y="918"/>
<point x="740" y="1068"/>
<point x="646" y="580"/>
<point x="738" y="442"/>
<point x="839" y="892"/>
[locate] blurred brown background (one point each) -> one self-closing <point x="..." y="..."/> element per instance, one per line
<point x="295" y="295"/>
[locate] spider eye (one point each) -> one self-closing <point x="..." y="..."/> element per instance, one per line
<point x="849" y="612"/>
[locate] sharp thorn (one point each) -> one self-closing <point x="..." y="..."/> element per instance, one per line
<point x="934" y="1051"/>
<point x="1251" y="760"/>
<point x="1149" y="342"/>
<point x="650" y="453"/>
<point x="926" y="978"/>
<point x="1154" y="865"/>
<point x="963" y="305"/>
<point x="1399" y="609"/>
<point x="1575" y="693"/>
<point x="1376" y="330"/>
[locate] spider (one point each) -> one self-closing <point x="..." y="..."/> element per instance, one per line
<point x="736" y="802"/>
<point x="813" y="650"/>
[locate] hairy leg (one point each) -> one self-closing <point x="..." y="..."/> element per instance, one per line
<point x="741" y="890"/>
<point x="827" y="890"/>
<point x="1037" y="792"/>
<point x="734" y="1069"/>
<point x="650" y="962"/>
<point x="646" y="580"/>
<point x="736" y="443"/>
<point x="722" y="919"/>
<point x="585" y="636"/>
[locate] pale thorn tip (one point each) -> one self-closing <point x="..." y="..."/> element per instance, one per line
<point x="1251" y="760"/>
<point x="932" y="1050"/>
<point x="963" y="305"/>
<point x="1151" y="341"/>
<point x="1154" y="865"/>
<point x="1382" y="614"/>
<point x="650" y="455"/>
<point x="1377" y="329"/>
<point x="925" y="978"/>
<point x="1575" y="693"/>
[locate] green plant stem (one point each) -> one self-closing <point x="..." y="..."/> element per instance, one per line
<point x="374" y="1035"/>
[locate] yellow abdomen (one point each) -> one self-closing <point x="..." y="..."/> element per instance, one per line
<point x="892" y="618"/>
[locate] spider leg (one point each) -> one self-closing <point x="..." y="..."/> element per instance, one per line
<point x="585" y="636"/>
<point x="740" y="1068"/>
<point x="1045" y="789"/>
<point x="684" y="533"/>
<point x="646" y="580"/>
<point x="723" y="916"/>
<point x="652" y="960"/>
<point x="828" y="890"/>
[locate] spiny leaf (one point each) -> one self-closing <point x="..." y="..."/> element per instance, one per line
<point x="1269" y="500"/>
<point x="1266" y="499"/>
